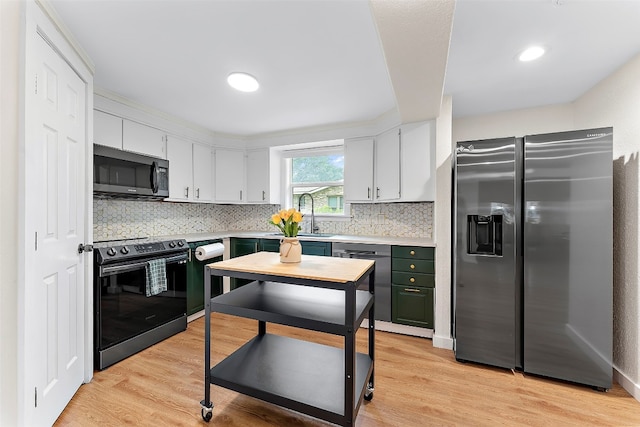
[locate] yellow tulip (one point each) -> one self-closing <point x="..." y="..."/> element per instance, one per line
<point x="297" y="217"/>
<point x="275" y="218"/>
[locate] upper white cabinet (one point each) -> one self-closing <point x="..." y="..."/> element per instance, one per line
<point x="229" y="176"/>
<point x="372" y="168"/>
<point x="418" y="153"/>
<point x="143" y="139"/>
<point x="191" y="170"/>
<point x="387" y="166"/>
<point x="396" y="166"/>
<point x="107" y="129"/>
<point x="358" y="169"/>
<point x="203" y="172"/>
<point x="263" y="177"/>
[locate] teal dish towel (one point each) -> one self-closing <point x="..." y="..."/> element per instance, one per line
<point x="156" y="276"/>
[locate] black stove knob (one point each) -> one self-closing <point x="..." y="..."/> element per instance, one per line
<point x="111" y="252"/>
<point x="180" y="243"/>
<point x="172" y="244"/>
<point x="124" y="250"/>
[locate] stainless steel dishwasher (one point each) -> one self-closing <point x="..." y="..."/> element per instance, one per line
<point x="381" y="254"/>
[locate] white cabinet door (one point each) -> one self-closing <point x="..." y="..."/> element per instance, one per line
<point x="107" y="130"/>
<point x="180" y="169"/>
<point x="418" y="152"/>
<point x="358" y="170"/>
<point x="229" y="176"/>
<point x="387" y="166"/>
<point x="258" y="178"/>
<point x="202" y="172"/>
<point x="143" y="139"/>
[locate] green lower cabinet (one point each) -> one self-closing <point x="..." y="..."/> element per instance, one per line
<point x="270" y="245"/>
<point x="246" y="246"/>
<point x="195" y="279"/>
<point x="310" y="247"/>
<point x="412" y="305"/>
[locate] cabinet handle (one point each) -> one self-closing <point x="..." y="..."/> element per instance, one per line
<point x="368" y="193"/>
<point x="412" y="280"/>
<point x="412" y="266"/>
<point x="412" y="253"/>
<point x="186" y="192"/>
<point x="197" y="193"/>
<point x="263" y="195"/>
<point x="415" y="291"/>
<point x="240" y="194"/>
<point x="377" y="192"/>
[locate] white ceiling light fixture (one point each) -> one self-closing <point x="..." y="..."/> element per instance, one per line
<point x="243" y="82"/>
<point x="531" y="53"/>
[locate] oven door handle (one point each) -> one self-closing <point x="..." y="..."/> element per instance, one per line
<point x="123" y="268"/>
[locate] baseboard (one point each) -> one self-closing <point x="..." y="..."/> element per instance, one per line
<point x="442" y="342"/>
<point x="632" y="388"/>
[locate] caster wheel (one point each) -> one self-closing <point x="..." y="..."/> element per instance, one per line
<point x="207" y="414"/>
<point x="368" y="395"/>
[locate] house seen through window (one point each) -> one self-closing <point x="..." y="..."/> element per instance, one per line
<point x="320" y="176"/>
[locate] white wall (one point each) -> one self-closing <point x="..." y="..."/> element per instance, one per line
<point x="615" y="101"/>
<point x="9" y="107"/>
<point x="442" y="227"/>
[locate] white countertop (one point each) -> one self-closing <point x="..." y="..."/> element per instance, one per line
<point x="381" y="240"/>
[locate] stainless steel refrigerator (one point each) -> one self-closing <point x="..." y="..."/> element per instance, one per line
<point x="533" y="254"/>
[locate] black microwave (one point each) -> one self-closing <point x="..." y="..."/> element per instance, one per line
<point x="122" y="174"/>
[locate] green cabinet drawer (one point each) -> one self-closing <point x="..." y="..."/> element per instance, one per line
<point x="412" y="306"/>
<point x="412" y="252"/>
<point x="413" y="265"/>
<point x="413" y="279"/>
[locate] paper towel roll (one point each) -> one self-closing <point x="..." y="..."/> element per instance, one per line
<point x="209" y="251"/>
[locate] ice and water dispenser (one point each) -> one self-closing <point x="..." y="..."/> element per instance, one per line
<point x="484" y="235"/>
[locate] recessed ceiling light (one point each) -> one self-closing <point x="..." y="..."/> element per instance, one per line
<point x="534" y="52"/>
<point x="243" y="82"/>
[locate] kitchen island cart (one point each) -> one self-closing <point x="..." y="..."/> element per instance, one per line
<point x="320" y="294"/>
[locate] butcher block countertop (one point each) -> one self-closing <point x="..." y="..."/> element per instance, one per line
<point x="328" y="269"/>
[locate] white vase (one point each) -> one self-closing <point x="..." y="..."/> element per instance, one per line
<point x="290" y="249"/>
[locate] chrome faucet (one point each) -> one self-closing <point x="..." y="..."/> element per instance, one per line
<point x="314" y="229"/>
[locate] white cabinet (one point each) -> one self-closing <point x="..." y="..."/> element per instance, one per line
<point x="398" y="166"/>
<point x="190" y="170"/>
<point x="387" y="166"/>
<point x="263" y="177"/>
<point x="107" y="129"/>
<point x="372" y="168"/>
<point x="203" y="172"/>
<point x="418" y="156"/>
<point x="358" y="170"/>
<point x="143" y="139"/>
<point x="229" y="176"/>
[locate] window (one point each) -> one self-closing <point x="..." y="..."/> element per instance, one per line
<point x="316" y="175"/>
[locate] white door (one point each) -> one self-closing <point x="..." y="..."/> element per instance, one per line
<point x="203" y="172"/>
<point x="229" y="176"/>
<point x="54" y="326"/>
<point x="181" y="174"/>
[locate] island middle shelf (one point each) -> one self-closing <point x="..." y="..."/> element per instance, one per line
<point x="317" y="309"/>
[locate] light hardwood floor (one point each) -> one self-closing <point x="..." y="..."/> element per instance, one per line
<point x="416" y="385"/>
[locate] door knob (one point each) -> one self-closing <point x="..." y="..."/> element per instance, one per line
<point x="84" y="248"/>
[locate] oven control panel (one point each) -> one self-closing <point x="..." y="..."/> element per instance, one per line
<point x="114" y="253"/>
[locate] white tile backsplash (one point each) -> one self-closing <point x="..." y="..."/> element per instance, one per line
<point x="127" y="219"/>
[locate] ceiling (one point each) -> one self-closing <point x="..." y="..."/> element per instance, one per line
<point x="328" y="63"/>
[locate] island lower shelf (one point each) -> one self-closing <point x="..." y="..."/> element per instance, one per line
<point x="311" y="308"/>
<point x="300" y="375"/>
